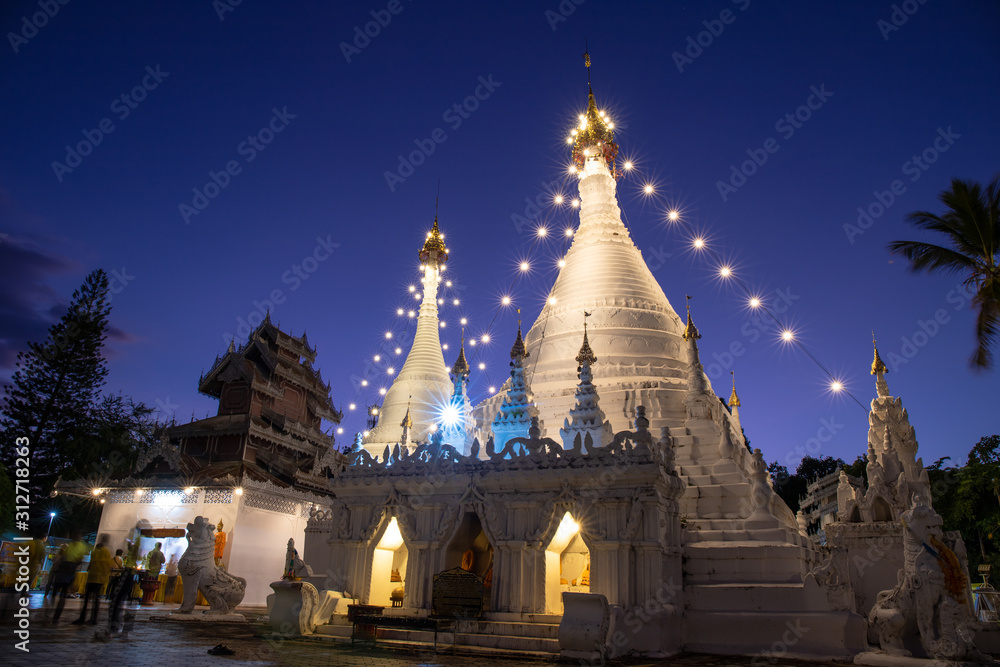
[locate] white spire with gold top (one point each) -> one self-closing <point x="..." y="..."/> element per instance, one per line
<point x="422" y="387"/>
<point x="633" y="329"/>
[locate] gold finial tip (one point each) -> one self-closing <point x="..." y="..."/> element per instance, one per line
<point x="878" y="366"/>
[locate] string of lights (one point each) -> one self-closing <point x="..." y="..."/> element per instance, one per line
<point x="533" y="256"/>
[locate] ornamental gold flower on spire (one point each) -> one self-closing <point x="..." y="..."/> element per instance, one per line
<point x="434" y="248"/>
<point x="593" y="137"/>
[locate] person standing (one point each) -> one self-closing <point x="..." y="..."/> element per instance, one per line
<point x="72" y="556"/>
<point x="156" y="560"/>
<point x="98" y="574"/>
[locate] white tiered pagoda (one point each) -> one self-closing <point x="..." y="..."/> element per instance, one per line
<point x="422" y="389"/>
<point x="650" y="497"/>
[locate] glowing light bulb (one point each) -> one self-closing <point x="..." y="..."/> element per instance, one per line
<point x="561" y="263"/>
<point x="754" y="302"/>
<point x="673" y="215"/>
<point x="582" y="118"/>
<point x="399" y="350"/>
<point x="836" y="385"/>
<point x="464" y="321"/>
<point x="627" y="166"/>
<point x="417" y="297"/>
<point x="472" y="342"/>
<point x="364" y="434"/>
<point x="493" y="390"/>
<point x="388" y="335"/>
<point x="725" y="271"/>
<point x="440" y="302"/>
<point x="572" y="169"/>
<point x="352" y="406"/>
<point x="382" y="391"/>
<point x="552" y="301"/>
<point x="390" y="370"/>
<point x="558" y="199"/>
<point x="524" y="266"/>
<point x="611" y="125"/>
<point x="569" y="140"/>
<point x="454" y="302"/>
<point x="399" y="311"/>
<point x="364" y="383"/>
<point x="411" y="314"/>
<point x="542" y="232"/>
<point x="486" y="338"/>
<point x="442" y="324"/>
<point x="482" y="366"/>
<point x="444" y="346"/>
<point x="378" y="357"/>
<point x="448" y="284"/>
<point x="505" y="301"/>
<point x="787" y="335"/>
<point x="648" y="189"/>
<point x="699" y="243"/>
<point x="575" y="203"/>
<point x="340" y="431"/>
<point x="413" y="288"/>
<point x="569" y="231"/>
<point x="188" y="491"/>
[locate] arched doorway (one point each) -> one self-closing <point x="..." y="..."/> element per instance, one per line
<point x="567" y="564"/>
<point x="470" y="549"/>
<point x="388" y="565"/>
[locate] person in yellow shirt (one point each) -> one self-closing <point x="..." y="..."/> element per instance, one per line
<point x="72" y="556"/>
<point x="98" y="574"/>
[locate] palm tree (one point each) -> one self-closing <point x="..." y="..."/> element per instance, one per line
<point x="971" y="223"/>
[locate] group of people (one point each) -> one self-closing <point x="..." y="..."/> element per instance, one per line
<point x="124" y="565"/>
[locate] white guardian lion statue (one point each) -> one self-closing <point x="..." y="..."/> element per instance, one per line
<point x="200" y="573"/>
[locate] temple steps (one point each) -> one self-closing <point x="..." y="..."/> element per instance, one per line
<point x="510" y="638"/>
<point x="740" y="562"/>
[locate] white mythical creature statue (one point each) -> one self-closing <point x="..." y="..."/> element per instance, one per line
<point x="197" y="566"/>
<point x="931" y="587"/>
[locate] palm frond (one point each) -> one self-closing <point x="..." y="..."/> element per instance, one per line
<point x="987" y="325"/>
<point x="930" y="258"/>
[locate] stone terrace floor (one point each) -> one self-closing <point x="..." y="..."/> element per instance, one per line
<point x="154" y="643"/>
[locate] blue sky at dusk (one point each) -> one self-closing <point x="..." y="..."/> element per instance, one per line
<point x="328" y="146"/>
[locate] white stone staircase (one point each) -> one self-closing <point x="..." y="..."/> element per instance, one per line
<point x="515" y="635"/>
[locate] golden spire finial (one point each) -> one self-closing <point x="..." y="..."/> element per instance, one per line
<point x="734" y="400"/>
<point x="586" y="354"/>
<point x="407" y="422"/>
<point x="877" y="365"/>
<point x="434" y="248"/>
<point x="461" y="367"/>
<point x="593" y="137"/>
<point x="690" y="331"/>
<point x="518" y="349"/>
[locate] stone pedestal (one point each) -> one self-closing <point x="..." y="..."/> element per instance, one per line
<point x="292" y="613"/>
<point x="585" y="626"/>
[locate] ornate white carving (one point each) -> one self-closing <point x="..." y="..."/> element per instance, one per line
<point x="222" y="590"/>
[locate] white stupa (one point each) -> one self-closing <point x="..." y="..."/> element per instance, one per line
<point x="422" y="388"/>
<point x="635" y="333"/>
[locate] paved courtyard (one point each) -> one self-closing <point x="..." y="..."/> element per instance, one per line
<point x="157" y="643"/>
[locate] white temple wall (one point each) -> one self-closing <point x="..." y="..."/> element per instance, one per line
<point x="258" y="542"/>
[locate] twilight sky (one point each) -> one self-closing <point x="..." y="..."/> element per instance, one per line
<point x="218" y="159"/>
